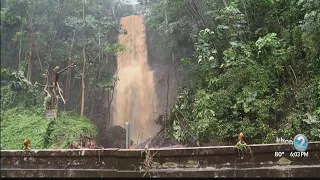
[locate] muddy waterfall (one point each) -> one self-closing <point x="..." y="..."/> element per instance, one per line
<point x="135" y="99"/>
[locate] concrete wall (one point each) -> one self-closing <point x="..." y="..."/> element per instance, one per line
<point x="222" y="161"/>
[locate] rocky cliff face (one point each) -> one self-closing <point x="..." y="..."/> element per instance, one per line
<point x="166" y="78"/>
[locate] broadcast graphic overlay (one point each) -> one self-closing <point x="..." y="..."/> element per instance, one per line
<point x="300" y="143"/>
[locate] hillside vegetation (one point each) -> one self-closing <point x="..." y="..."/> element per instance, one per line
<point x="249" y="66"/>
<point x="22" y="117"/>
<point x="255" y="69"/>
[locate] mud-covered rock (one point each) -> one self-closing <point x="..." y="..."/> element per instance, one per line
<point x="114" y="137"/>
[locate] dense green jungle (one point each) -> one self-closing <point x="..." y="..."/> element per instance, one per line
<point x="249" y="66"/>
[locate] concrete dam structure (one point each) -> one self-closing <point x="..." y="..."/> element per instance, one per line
<point x="220" y="161"/>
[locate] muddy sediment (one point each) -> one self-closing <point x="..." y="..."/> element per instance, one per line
<point x="135" y="99"/>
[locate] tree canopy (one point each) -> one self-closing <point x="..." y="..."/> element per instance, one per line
<point x="40" y="35"/>
<point x="249" y="66"/>
<point x="255" y="69"/>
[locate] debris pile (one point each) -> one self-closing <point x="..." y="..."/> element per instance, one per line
<point x="85" y="142"/>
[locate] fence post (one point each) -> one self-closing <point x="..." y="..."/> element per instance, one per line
<point x="127" y="135"/>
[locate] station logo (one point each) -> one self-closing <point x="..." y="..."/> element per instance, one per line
<point x="300" y="142"/>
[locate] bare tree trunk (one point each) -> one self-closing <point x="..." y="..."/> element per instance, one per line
<point x="201" y="18"/>
<point x="55" y="28"/>
<point x="97" y="77"/>
<point x="78" y="99"/>
<point x="68" y="79"/>
<point x="84" y="60"/>
<point x="20" y="44"/>
<point x="225" y="3"/>
<point x="165" y="15"/>
<point x="92" y="106"/>
<point x="109" y="105"/>
<point x="168" y="84"/>
<point x="113" y="13"/>
<point x="168" y="87"/>
<point x="34" y="45"/>
<point x="245" y="12"/>
<point x="192" y="16"/>
<point x="110" y="101"/>
<point x="36" y="49"/>
<point x="107" y="115"/>
<point x="29" y="73"/>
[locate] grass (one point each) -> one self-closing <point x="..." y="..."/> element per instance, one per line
<point x="22" y="117"/>
<point x="68" y="129"/>
<point x="18" y="124"/>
